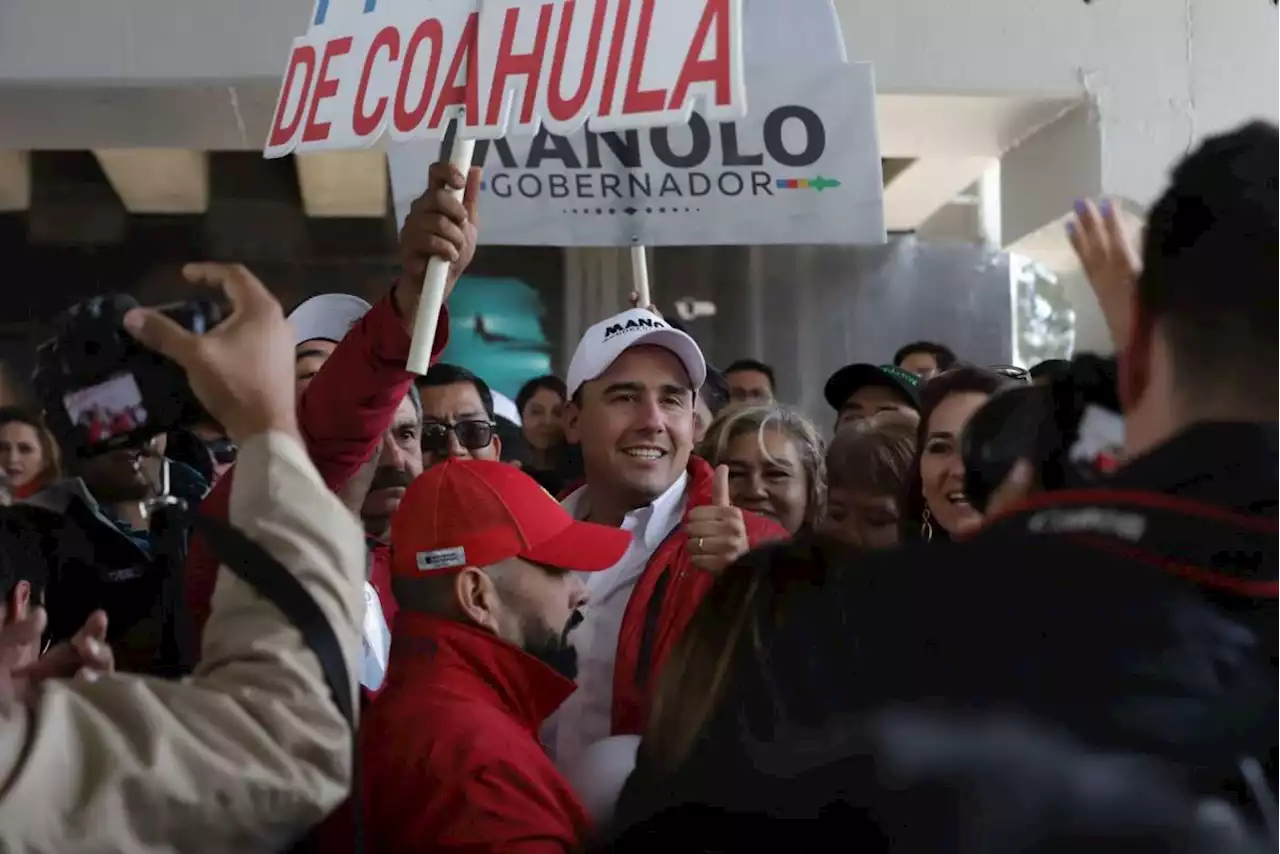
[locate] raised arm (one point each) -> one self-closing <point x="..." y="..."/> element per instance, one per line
<point x="253" y="749"/>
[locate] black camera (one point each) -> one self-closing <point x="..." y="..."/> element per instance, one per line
<point x="1070" y="429"/>
<point x="102" y="390"/>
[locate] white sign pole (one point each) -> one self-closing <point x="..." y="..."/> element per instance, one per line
<point x="640" y="277"/>
<point x="432" y="299"/>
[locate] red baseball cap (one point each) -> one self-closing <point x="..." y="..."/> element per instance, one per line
<point x="480" y="512"/>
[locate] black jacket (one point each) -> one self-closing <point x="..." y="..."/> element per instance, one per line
<point x="1115" y="647"/>
<point x="97" y="562"/>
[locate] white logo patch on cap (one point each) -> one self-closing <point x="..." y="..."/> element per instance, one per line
<point x="442" y="559"/>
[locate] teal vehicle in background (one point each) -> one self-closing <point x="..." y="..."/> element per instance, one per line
<point x="495" y="331"/>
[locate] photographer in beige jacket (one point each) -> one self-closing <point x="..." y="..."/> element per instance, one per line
<point x="251" y="750"/>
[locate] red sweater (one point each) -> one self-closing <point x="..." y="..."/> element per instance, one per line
<point x="342" y="416"/>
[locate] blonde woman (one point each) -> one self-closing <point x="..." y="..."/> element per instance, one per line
<point x="776" y="461"/>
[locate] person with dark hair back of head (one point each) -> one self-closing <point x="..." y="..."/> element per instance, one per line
<point x="24" y="573"/>
<point x="713" y="397"/>
<point x="751" y="381"/>
<point x="458" y="420"/>
<point x="1136" y="616"/>
<point x="869" y="464"/>
<point x="925" y="359"/>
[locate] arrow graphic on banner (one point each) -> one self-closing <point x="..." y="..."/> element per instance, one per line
<point x="820" y="183"/>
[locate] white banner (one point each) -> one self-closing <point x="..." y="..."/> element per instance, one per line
<point x="802" y="167"/>
<point x="407" y="67"/>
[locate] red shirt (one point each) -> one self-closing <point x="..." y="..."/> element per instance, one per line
<point x="342" y="416"/>
<point x="452" y="761"/>
<point x="662" y="602"/>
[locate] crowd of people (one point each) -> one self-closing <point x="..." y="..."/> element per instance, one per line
<point x="651" y="607"/>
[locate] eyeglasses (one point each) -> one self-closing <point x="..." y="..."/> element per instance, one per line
<point x="1013" y="372"/>
<point x="472" y="435"/>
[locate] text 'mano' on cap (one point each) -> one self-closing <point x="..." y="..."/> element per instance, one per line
<point x="479" y="512"/>
<point x="603" y="343"/>
<point x="327" y="317"/>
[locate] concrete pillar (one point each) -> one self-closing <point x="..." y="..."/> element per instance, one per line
<point x="596" y="284"/>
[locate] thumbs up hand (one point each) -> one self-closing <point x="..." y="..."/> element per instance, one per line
<point x="717" y="533"/>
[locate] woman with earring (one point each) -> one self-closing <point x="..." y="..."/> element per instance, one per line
<point x="935" y="507"/>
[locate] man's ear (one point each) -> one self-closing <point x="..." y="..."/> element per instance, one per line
<point x="1133" y="362"/>
<point x="19" y="603"/>
<point x="571" y="415"/>
<point x="497" y="446"/>
<point x="477" y="598"/>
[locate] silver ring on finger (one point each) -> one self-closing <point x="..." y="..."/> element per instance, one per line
<point x="697" y="547"/>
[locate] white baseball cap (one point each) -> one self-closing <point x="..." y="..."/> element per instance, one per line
<point x="607" y="340"/>
<point x="328" y="317"/>
<point x="505" y="407"/>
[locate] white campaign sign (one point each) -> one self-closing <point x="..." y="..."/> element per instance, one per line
<point x="408" y="67"/>
<point x="802" y="167"/>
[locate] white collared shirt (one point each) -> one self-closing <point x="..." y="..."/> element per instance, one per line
<point x="376" y="639"/>
<point x="587" y="716"/>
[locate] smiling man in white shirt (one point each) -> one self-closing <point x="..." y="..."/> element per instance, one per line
<point x="632" y="385"/>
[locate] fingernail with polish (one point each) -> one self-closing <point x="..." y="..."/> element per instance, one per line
<point x="1105" y="207"/>
<point x="1081" y="207"/>
<point x="1071" y="226"/>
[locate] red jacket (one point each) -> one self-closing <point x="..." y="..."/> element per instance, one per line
<point x="664" y="598"/>
<point x="452" y="761"/>
<point x="342" y="416"/>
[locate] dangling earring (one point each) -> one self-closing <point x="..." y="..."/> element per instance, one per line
<point x="926" y="526"/>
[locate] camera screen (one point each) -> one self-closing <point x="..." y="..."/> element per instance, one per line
<point x="109" y="409"/>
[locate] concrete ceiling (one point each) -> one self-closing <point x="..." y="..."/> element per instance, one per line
<point x="151" y="143"/>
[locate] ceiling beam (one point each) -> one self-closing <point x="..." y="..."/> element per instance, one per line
<point x="923" y="187"/>
<point x="158" y="180"/>
<point x="15" y="181"/>
<point x="343" y="183"/>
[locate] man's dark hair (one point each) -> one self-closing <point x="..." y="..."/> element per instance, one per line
<point x="1209" y="267"/>
<point x="753" y="365"/>
<point x="537" y="384"/>
<point x="715" y="391"/>
<point x="940" y="353"/>
<point x="442" y="374"/>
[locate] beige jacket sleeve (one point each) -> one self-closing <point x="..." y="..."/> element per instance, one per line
<point x="244" y="755"/>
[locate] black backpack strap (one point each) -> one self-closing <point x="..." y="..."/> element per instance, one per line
<point x="278" y="585"/>
<point x="1207" y="544"/>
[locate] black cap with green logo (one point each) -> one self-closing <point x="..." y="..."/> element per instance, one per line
<point x="850" y="378"/>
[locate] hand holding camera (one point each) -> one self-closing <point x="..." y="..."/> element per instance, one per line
<point x="241" y="370"/>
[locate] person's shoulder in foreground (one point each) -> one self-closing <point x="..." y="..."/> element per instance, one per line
<point x="253" y="749"/>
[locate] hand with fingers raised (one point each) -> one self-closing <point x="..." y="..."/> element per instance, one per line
<point x="1109" y="261"/>
<point x="87" y="654"/>
<point x="717" y="533"/>
<point x="438" y="226"/>
<point x="241" y="370"/>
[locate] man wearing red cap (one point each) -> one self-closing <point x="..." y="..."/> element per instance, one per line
<point x="484" y="567"/>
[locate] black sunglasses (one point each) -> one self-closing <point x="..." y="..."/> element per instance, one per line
<point x="472" y="435"/>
